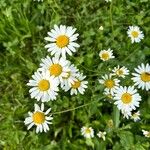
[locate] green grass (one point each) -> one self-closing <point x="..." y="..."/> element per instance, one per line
<point x="23" y="26"/>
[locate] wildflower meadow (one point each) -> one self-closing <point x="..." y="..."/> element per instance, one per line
<point x="74" y="75"/>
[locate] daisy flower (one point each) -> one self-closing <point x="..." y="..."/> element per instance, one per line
<point x="127" y="98"/>
<point x="135" y="34"/>
<point x="57" y="67"/>
<point x="109" y="83"/>
<point x="108" y="95"/>
<point x="101" y="135"/>
<point x="87" y="132"/>
<point x="120" y="71"/>
<point x="70" y="78"/>
<point x="39" y="118"/>
<point x="146" y="133"/>
<point x="142" y="76"/>
<point x="106" y="54"/>
<point x="136" y="116"/>
<point x="44" y="86"/>
<point x="79" y="85"/>
<point x="62" y="40"/>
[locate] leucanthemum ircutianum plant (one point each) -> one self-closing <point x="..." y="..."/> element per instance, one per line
<point x="135" y="34"/>
<point x="87" y="132"/>
<point x="39" y="118"/>
<point x="120" y="71"/>
<point x="57" y="67"/>
<point x="79" y="85"/>
<point x="62" y="40"/>
<point x="70" y="78"/>
<point x="44" y="86"/>
<point x="126" y="99"/>
<point x="142" y="77"/>
<point x="106" y="54"/>
<point x="109" y="82"/>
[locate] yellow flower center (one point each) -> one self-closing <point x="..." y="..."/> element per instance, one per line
<point x="55" y="69"/>
<point x="38" y="117"/>
<point x="145" y="76"/>
<point x="109" y="83"/>
<point x="68" y="75"/>
<point x="62" y="41"/>
<point x="105" y="56"/>
<point x="44" y="85"/>
<point x="76" y="84"/>
<point x="87" y="131"/>
<point x="119" y="72"/>
<point x="126" y="98"/>
<point x="135" y="34"/>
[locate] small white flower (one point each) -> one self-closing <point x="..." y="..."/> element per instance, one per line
<point x="106" y="54"/>
<point x="120" y="71"/>
<point x="135" y="34"/>
<point x="39" y="118"/>
<point x="79" y="85"/>
<point x="87" y="132"/>
<point x="146" y="133"/>
<point x="109" y="83"/>
<point x="108" y="95"/>
<point x="57" y="67"/>
<point x="101" y="135"/>
<point x="70" y="78"/>
<point x="136" y="116"/>
<point x="142" y="77"/>
<point x="62" y="40"/>
<point x="127" y="98"/>
<point x="44" y="86"/>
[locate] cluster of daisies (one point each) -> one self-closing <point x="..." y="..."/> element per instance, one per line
<point x="126" y="98"/>
<point x="55" y="73"/>
<point x="88" y="132"/>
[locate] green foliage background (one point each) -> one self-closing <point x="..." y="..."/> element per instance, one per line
<point x="23" y="26"/>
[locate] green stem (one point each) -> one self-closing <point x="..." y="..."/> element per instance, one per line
<point x="72" y="109"/>
<point x="116" y="116"/>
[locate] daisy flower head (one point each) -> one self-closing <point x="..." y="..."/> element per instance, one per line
<point x="109" y="83"/>
<point x="120" y="71"/>
<point x="62" y="40"/>
<point x="136" y="116"/>
<point x="70" y="78"/>
<point x="142" y="77"/>
<point x="101" y="134"/>
<point x="39" y="118"/>
<point x="78" y="85"/>
<point x="106" y="54"/>
<point x="127" y="98"/>
<point x="135" y="34"/>
<point x="57" y="67"/>
<point x="44" y="86"/>
<point x="146" y="133"/>
<point x="108" y="95"/>
<point x="87" y="132"/>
